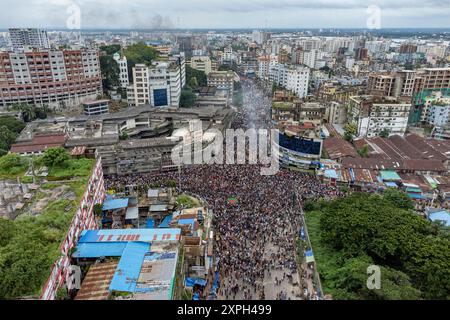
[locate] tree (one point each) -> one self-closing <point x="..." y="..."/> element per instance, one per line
<point x="123" y="136"/>
<point x="384" y="133"/>
<point x="110" y="72"/>
<point x="139" y="53"/>
<point x="383" y="228"/>
<point x="398" y="198"/>
<point x="55" y="157"/>
<point x="350" y="130"/>
<point x="7" y="137"/>
<point x="12" y="123"/>
<point x="7" y="231"/>
<point x="200" y="76"/>
<point x="187" y="98"/>
<point x="111" y="49"/>
<point x="364" y="151"/>
<point x="98" y="209"/>
<point x="224" y="67"/>
<point x="193" y="83"/>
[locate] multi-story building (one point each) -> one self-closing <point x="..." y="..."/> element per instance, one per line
<point x="263" y="67"/>
<point x="361" y="54"/>
<point x="159" y="84"/>
<point x="260" y="37"/>
<point x="123" y="70"/>
<point x="222" y="80"/>
<point x="297" y="81"/>
<point x="97" y="107"/>
<point x="201" y="63"/>
<point x="297" y="56"/>
<point x="22" y="39"/>
<point x="372" y="115"/>
<point x="59" y="79"/>
<point x="309" y="58"/>
<point x="294" y="78"/>
<point x="438" y="113"/>
<point x="408" y="48"/>
<point x="84" y="219"/>
<point x="399" y="84"/>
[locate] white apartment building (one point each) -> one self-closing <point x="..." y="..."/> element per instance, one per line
<point x="123" y="70"/>
<point x="158" y="85"/>
<point x="438" y="113"/>
<point x="436" y="110"/>
<point x="309" y="58"/>
<point x="349" y="63"/>
<point x="222" y="80"/>
<point x="372" y="115"/>
<point x="263" y="67"/>
<point x="260" y="36"/>
<point x="294" y="78"/>
<point x="297" y="81"/>
<point x="201" y="63"/>
<point x="28" y="38"/>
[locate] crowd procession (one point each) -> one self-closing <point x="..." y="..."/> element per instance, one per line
<point x="256" y="232"/>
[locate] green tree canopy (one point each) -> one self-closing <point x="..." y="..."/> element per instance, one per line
<point x="384" y="133"/>
<point x="55" y="157"/>
<point x="111" y="49"/>
<point x="383" y="228"/>
<point x="187" y="99"/>
<point x="110" y="72"/>
<point x="139" y="53"/>
<point x="200" y="76"/>
<point x="350" y="130"/>
<point x="364" y="151"/>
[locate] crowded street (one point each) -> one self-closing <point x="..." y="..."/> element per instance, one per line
<point x="256" y="232"/>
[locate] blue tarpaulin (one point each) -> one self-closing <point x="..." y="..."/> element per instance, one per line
<point x="187" y="221"/>
<point x="112" y="204"/>
<point x="391" y="184"/>
<point x="99" y="249"/>
<point x="190" y="282"/>
<point x="415" y="196"/>
<point x="150" y="223"/>
<point x="121" y="235"/>
<point x="129" y="267"/>
<point x="331" y="174"/>
<point x="165" y="223"/>
<point x="440" y="216"/>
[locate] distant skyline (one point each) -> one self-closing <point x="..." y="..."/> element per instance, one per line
<point x="220" y="14"/>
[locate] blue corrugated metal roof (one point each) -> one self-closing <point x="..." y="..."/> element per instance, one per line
<point x="111" y="204"/>
<point x="150" y="223"/>
<point x="330" y="173"/>
<point x="129" y="267"/>
<point x="440" y="216"/>
<point x="99" y="249"/>
<point x="187" y="221"/>
<point x="165" y="223"/>
<point x="391" y="184"/>
<point x="121" y="235"/>
<point x="415" y="196"/>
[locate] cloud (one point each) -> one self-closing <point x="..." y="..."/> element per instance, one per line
<point x="223" y="13"/>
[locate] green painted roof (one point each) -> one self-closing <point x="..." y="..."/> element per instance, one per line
<point x="389" y="175"/>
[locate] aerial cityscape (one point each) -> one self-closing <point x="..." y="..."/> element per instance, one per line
<point x="225" y="150"/>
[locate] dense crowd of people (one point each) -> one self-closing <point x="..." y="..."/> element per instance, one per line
<point x="256" y="231"/>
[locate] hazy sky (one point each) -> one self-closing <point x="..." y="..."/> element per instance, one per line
<point x="223" y="13"/>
